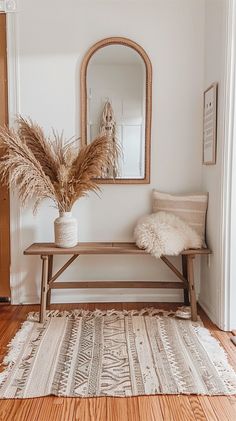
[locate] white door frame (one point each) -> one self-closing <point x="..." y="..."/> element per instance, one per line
<point x="227" y="300"/>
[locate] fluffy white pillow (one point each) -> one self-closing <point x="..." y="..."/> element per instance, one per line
<point x="164" y="233"/>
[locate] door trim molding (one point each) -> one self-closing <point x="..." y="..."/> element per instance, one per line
<point x="227" y="215"/>
<point x="13" y="110"/>
<point x="4" y="191"/>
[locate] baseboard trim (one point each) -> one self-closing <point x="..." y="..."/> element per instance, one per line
<point x="212" y="316"/>
<point x="79" y="296"/>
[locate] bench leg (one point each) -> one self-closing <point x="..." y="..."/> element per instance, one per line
<point x="43" y="288"/>
<point x="50" y="268"/>
<point x="185" y="274"/>
<point x="192" y="293"/>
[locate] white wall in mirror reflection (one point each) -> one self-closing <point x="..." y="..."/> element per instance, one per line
<point x="117" y="74"/>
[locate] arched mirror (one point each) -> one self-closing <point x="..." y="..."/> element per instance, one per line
<point x="116" y="80"/>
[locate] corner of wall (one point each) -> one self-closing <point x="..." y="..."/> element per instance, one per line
<point x="217" y="52"/>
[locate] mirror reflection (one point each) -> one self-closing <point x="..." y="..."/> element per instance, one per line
<point x="116" y="100"/>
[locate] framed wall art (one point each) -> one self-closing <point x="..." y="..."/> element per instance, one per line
<point x="210" y="125"/>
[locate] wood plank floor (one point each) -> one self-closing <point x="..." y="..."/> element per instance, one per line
<point x="147" y="408"/>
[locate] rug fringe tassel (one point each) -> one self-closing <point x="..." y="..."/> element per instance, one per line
<point x="149" y="311"/>
<point x="15" y="348"/>
<point x="218" y="356"/>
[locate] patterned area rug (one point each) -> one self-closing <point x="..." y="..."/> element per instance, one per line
<point x="114" y="353"/>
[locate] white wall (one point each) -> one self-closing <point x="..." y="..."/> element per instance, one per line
<point x="212" y="176"/>
<point x="52" y="39"/>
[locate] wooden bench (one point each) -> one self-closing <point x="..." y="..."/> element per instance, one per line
<point x="48" y="250"/>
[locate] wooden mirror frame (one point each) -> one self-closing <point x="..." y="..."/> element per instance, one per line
<point x="148" y="115"/>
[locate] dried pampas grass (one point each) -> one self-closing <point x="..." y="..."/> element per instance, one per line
<point x="44" y="167"/>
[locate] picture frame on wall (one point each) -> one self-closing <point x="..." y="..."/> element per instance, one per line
<point x="210" y="125"/>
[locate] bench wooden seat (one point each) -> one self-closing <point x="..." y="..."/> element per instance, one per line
<point x="48" y="250"/>
<point x="97" y="248"/>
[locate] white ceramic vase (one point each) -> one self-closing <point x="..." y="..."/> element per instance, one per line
<point x="66" y="230"/>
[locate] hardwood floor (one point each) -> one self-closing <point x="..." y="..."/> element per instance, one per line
<point x="143" y="408"/>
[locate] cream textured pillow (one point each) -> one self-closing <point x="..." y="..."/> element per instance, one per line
<point x="191" y="208"/>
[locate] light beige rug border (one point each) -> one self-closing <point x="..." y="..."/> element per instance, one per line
<point x="212" y="346"/>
